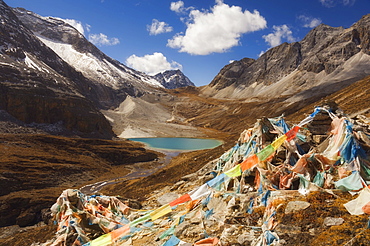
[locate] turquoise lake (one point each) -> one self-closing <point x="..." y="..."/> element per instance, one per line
<point x="179" y="144"/>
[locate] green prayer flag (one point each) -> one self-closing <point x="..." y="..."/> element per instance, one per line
<point x="140" y="220"/>
<point x="265" y="153"/>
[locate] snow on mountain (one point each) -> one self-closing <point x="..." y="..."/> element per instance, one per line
<point x="79" y="53"/>
<point x="172" y="79"/>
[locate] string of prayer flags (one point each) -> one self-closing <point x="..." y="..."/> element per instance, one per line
<point x="265" y="153"/>
<point x="140" y="220"/>
<point x="279" y="141"/>
<point x="180" y="200"/>
<point x="165" y="209"/>
<point x="234" y="172"/>
<point x="217" y="180"/>
<point x="291" y="134"/>
<point x="250" y="162"/>
<point x="201" y="191"/>
<point x="349" y="150"/>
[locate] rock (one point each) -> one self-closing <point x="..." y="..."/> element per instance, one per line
<point x="26" y="218"/>
<point x="188" y="230"/>
<point x="246" y="237"/>
<point x="178" y="185"/>
<point x="190" y="177"/>
<point x="330" y="221"/>
<point x="294" y="206"/>
<point x="46" y="216"/>
<point x="167" y="198"/>
<point x="288" y="229"/>
<point x="9" y="231"/>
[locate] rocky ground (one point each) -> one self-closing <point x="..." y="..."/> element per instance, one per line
<point x="29" y="153"/>
<point x="36" y="167"/>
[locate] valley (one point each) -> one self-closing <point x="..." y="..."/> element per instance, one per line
<point x="67" y="111"/>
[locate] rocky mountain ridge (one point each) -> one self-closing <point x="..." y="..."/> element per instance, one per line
<point x="326" y="60"/>
<point x="38" y="86"/>
<point x="86" y="58"/>
<point x="172" y="79"/>
<point x="48" y="62"/>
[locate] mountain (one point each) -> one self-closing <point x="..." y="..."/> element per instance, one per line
<point x="36" y="85"/>
<point x="326" y="60"/>
<point x="172" y="79"/>
<point x="87" y="59"/>
<point x="112" y="85"/>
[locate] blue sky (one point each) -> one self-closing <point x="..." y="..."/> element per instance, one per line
<point x="198" y="37"/>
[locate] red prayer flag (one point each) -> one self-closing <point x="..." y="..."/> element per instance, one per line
<point x="292" y="133"/>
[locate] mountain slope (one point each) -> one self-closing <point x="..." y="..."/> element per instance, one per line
<point x="326" y="60"/>
<point x="86" y="58"/>
<point x="36" y="85"/>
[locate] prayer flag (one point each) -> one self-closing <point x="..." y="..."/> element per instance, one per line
<point x="140" y="220"/>
<point x="292" y="133"/>
<point x="173" y="241"/>
<point x="102" y="240"/>
<point x="120" y="232"/>
<point x="198" y="193"/>
<point x="352" y="182"/>
<point x="234" y="172"/>
<point x="265" y="153"/>
<point x="217" y="180"/>
<point x="279" y="141"/>
<point x="159" y="212"/>
<point x="180" y="200"/>
<point x="250" y="162"/>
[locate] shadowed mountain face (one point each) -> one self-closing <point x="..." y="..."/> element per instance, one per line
<point x="326" y="60"/>
<point x="36" y="85"/>
<point x="65" y="78"/>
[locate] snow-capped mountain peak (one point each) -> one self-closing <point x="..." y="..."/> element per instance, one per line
<point x="172" y="79"/>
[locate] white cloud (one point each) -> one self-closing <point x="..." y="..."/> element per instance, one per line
<point x="261" y="53"/>
<point x="152" y="64"/>
<point x="75" y="23"/>
<point x="88" y="27"/>
<point x="102" y="39"/>
<point x="158" y="27"/>
<point x="327" y="3"/>
<point x="280" y="32"/>
<point x="177" y="7"/>
<point x="332" y="3"/>
<point x="217" y="30"/>
<point x="309" y="22"/>
<point x="349" y="2"/>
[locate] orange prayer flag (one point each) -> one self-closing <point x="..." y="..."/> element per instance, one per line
<point x="180" y="200"/>
<point x="211" y="241"/>
<point x="366" y="208"/>
<point x="120" y="232"/>
<point x="250" y="162"/>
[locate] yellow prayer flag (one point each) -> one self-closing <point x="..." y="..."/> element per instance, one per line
<point x="165" y="209"/>
<point x="234" y="172"/>
<point x="102" y="240"/>
<point x="279" y="141"/>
